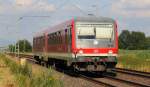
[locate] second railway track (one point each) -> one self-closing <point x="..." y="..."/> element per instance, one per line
<point x="133" y="72"/>
<point x="132" y="83"/>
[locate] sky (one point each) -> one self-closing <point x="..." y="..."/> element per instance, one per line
<point x="21" y="19"/>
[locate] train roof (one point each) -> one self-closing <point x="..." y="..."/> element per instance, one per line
<point x="94" y="19"/>
<point x="53" y="28"/>
<point x="82" y="19"/>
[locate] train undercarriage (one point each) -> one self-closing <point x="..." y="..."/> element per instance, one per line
<point x="101" y="66"/>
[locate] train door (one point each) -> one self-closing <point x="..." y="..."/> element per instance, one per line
<point x="69" y="39"/>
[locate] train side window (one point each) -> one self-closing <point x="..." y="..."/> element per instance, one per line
<point x="66" y="36"/>
<point x="49" y="39"/>
<point x="40" y="41"/>
<point x="33" y="41"/>
<point x="59" y="37"/>
<point x="56" y="38"/>
<point x="52" y="39"/>
<point x="37" y="40"/>
<point x="43" y="40"/>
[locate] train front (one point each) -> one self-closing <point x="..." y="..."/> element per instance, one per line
<point x="96" y="44"/>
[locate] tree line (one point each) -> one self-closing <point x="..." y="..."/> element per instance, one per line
<point x="129" y="40"/>
<point x="133" y="40"/>
<point x="24" y="46"/>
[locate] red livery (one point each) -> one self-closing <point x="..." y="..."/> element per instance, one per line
<point x="85" y="43"/>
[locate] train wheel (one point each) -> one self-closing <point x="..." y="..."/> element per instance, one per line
<point x="54" y="65"/>
<point x="39" y="62"/>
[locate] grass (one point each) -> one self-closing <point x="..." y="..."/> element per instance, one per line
<point x="134" y="59"/>
<point x="24" y="77"/>
<point x="6" y="78"/>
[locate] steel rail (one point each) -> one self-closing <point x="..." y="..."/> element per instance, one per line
<point x="96" y="81"/>
<point x="126" y="81"/>
<point x="133" y="72"/>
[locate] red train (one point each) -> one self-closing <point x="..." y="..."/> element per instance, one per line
<point x="85" y="43"/>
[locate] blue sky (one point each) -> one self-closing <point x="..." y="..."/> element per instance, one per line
<point x="39" y="14"/>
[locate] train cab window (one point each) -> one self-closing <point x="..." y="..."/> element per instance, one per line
<point x="86" y="33"/>
<point x="95" y="31"/>
<point x="105" y="33"/>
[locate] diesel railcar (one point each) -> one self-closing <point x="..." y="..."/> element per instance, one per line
<point x="84" y="43"/>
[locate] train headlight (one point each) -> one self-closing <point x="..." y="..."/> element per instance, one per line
<point x="95" y="42"/>
<point x="110" y="52"/>
<point x="80" y="51"/>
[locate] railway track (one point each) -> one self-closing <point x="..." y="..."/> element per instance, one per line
<point x="136" y="84"/>
<point x="133" y="72"/>
<point x="76" y="73"/>
<point x="102" y="83"/>
<point x="96" y="81"/>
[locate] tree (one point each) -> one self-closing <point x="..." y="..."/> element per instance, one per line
<point x="133" y="40"/>
<point x="137" y="40"/>
<point x="24" y="46"/>
<point x="11" y="48"/>
<point x="124" y="39"/>
<point x="147" y="44"/>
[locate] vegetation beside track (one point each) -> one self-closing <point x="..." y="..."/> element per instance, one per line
<point x="134" y="59"/>
<point x="6" y="78"/>
<point x="28" y="76"/>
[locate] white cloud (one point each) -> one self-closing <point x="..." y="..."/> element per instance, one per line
<point x="136" y="3"/>
<point x="44" y="6"/>
<point x="35" y="5"/>
<point x="70" y="8"/>
<point x="23" y="2"/>
<point x="132" y="8"/>
<point x="26" y="6"/>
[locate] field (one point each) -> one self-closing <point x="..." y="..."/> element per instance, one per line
<point x="134" y="59"/>
<point x="12" y="74"/>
